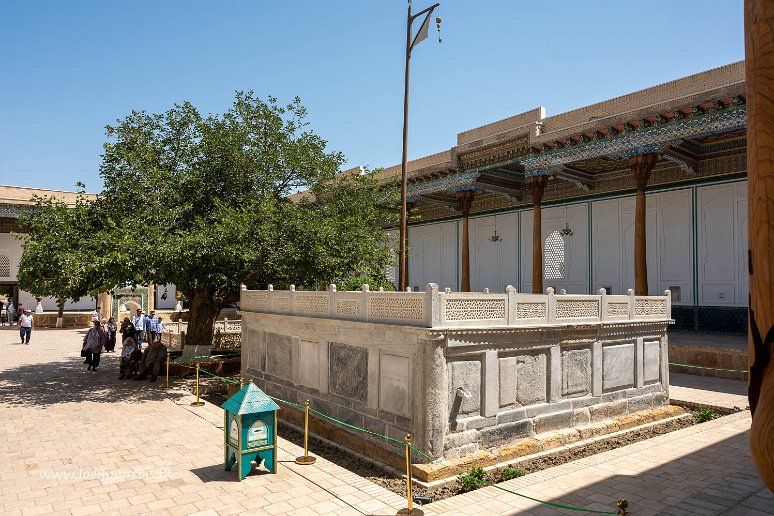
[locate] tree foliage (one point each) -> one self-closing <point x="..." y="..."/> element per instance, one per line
<point x="204" y="202"/>
<point x="59" y="253"/>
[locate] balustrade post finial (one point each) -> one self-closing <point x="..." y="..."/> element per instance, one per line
<point x="630" y="292"/>
<point x="270" y="287"/>
<point x="563" y="292"/>
<point x="447" y="290"/>
<point x="408" y="289"/>
<point x="602" y="292"/>
<point x="292" y="288"/>
<point x="550" y="291"/>
<point x="242" y="287"/>
<point x="332" y="287"/>
<point x="381" y="289"/>
<point x="486" y="291"/>
<point x="365" y="287"/>
<point x="510" y="289"/>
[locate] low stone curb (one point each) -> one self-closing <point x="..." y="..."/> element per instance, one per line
<point x="543" y="444"/>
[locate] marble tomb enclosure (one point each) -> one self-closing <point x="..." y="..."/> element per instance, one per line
<point x="461" y="372"/>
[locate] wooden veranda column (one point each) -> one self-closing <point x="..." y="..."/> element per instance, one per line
<point x="641" y="167"/>
<point x="465" y="198"/>
<point x="536" y="185"/>
<point x="759" y="49"/>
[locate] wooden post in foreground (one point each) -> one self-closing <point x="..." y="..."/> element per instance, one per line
<point x="759" y="49"/>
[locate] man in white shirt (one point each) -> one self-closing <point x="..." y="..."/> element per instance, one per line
<point x="25" y="326"/>
<point x="95" y="315"/>
<point x="138" y="321"/>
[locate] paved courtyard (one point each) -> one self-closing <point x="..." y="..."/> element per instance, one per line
<point x="74" y="442"/>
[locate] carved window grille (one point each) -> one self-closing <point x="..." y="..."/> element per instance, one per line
<point x="553" y="256"/>
<point x="5" y="266"/>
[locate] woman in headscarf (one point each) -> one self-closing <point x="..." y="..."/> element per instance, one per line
<point x="92" y="345"/>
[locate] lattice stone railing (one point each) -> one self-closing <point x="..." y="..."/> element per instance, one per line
<point x="225" y="326"/>
<point x="445" y="309"/>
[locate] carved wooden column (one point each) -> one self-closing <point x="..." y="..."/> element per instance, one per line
<point x="536" y="185"/>
<point x="641" y="167"/>
<point x="759" y="67"/>
<point x="465" y="198"/>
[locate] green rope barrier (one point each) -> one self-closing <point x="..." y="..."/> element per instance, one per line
<point x="219" y="377"/>
<point x="712" y="368"/>
<point x="402" y="443"/>
<point x="415" y="450"/>
<point x="207" y="356"/>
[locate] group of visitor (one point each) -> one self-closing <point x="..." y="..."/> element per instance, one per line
<point x="10" y="312"/>
<point x="134" y="362"/>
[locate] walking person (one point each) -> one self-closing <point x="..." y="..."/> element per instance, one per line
<point x="92" y="345"/>
<point x="96" y="315"/>
<point x="138" y="321"/>
<point x="25" y="326"/>
<point x="111" y="328"/>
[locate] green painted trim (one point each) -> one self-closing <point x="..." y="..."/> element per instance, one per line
<point x="518" y="252"/>
<point x="729" y="178"/>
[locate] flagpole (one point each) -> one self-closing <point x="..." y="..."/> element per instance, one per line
<point x="402" y="259"/>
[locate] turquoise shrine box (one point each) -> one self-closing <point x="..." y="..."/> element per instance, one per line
<point x="250" y="430"/>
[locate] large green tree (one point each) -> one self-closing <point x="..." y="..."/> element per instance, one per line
<point x="60" y="255"/>
<point x="203" y="202"/>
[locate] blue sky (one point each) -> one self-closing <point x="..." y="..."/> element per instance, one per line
<point x="68" y="68"/>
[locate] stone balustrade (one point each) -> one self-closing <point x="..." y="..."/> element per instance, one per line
<point x="445" y="309"/>
<point x="224" y="326"/>
<point x="462" y="372"/>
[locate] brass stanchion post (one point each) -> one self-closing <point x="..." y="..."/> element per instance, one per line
<point x="197" y="403"/>
<point x="410" y="510"/>
<point x="166" y="383"/>
<point x="241" y="383"/>
<point x="622" y="505"/>
<point x="305" y="460"/>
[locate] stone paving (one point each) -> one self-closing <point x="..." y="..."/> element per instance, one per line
<point x="74" y="442"/>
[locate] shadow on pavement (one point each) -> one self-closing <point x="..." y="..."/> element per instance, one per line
<point x="67" y="381"/>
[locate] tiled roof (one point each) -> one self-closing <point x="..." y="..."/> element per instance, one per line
<point x="249" y="400"/>
<point x="22" y="195"/>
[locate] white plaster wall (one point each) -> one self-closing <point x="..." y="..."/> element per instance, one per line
<point x="11" y="247"/>
<point x="493" y="265"/>
<point x="669" y="244"/>
<point x="722" y="242"/>
<point x="576" y="247"/>
<point x="433" y="255"/>
<point x="168" y="303"/>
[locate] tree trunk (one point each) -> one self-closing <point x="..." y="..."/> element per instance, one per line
<point x="60" y="315"/>
<point x="759" y="50"/>
<point x="202" y="312"/>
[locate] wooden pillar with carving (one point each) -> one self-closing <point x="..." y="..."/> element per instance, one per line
<point x="537" y="185"/>
<point x="759" y="68"/>
<point x="465" y="198"/>
<point x="641" y="166"/>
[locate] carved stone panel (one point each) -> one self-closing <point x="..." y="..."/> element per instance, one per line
<point x="348" y="371"/>
<point x="309" y="363"/>
<point x="465" y="374"/>
<point x="278" y="355"/>
<point x="617" y="366"/>
<point x="532" y="379"/>
<point x="652" y="363"/>
<point x="508" y="370"/>
<point x="576" y="372"/>
<point x="394" y="379"/>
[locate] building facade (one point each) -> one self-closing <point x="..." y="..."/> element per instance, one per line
<point x="646" y="191"/>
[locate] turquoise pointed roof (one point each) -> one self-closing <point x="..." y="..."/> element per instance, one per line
<point x="249" y="400"/>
